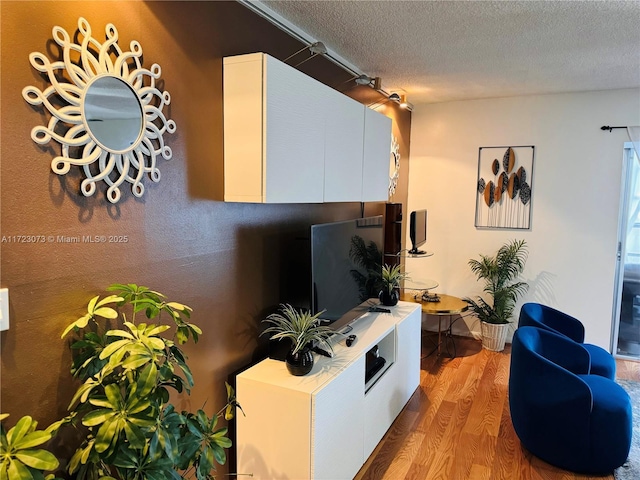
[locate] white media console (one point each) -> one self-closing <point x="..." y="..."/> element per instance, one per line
<point x="325" y="425"/>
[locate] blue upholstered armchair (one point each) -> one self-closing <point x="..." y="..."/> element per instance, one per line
<point x="570" y="419"/>
<point x="542" y="316"/>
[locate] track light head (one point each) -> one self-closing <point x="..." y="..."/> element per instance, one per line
<point x="318" y="48"/>
<point x="363" y="79"/>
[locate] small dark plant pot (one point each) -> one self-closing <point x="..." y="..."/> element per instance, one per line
<point x="389" y="299"/>
<point x="299" y="363"/>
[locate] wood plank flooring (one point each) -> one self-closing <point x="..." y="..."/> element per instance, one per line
<point x="457" y="425"/>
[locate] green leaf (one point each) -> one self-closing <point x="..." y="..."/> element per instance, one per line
<point x="3" y="416"/>
<point x="39" y="459"/>
<point x="106" y="312"/>
<point x="17" y="471"/>
<point x="219" y="453"/>
<point x="155" y="343"/>
<point x="134" y="435"/>
<point x="158" y="330"/>
<point x="96" y="417"/>
<point x="112" y="391"/>
<point x="182" y="334"/>
<point x="113" y="347"/>
<point x="92" y="303"/>
<point x="80" y="323"/>
<point x="109" y="299"/>
<point x="107" y="434"/>
<point x="147" y="380"/>
<point x="119" y="333"/>
<point x="32" y="439"/>
<point x="21" y="428"/>
<point x="134" y="362"/>
<point x="83" y="391"/>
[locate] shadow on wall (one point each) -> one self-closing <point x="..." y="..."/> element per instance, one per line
<point x="541" y="288"/>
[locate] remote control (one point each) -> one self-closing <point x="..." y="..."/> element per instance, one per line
<point x="379" y="310"/>
<point x="320" y="351"/>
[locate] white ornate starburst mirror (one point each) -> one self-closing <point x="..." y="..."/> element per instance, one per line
<point x="394" y="166"/>
<point x="106" y="111"/>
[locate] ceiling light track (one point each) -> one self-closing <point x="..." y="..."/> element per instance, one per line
<point x="297" y="33"/>
<point x="312" y="44"/>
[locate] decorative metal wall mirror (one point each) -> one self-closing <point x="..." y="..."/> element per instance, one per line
<point x="111" y="121"/>
<point x="394" y="166"/>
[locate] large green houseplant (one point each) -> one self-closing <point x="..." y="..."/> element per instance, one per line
<point x="499" y="274"/>
<point x="127" y="366"/>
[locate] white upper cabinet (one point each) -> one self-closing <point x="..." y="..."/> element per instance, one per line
<point x="344" y="149"/>
<point x="291" y="139"/>
<point x="377" y="152"/>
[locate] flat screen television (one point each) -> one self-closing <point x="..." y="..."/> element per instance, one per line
<point x="346" y="266"/>
<point x="417" y="231"/>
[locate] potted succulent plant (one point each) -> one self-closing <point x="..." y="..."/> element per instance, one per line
<point x="498" y="273"/>
<point x="127" y="367"/>
<point x="304" y="330"/>
<point x="392" y="275"/>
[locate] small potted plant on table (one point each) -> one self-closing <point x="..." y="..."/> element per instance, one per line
<point x="498" y="274"/>
<point x="303" y="329"/>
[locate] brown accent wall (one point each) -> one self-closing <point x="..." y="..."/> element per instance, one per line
<point x="226" y="260"/>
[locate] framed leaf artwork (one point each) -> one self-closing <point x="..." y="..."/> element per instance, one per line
<point x="504" y="187"/>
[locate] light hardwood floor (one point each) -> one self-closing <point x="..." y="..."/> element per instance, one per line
<point x="457" y="426"/>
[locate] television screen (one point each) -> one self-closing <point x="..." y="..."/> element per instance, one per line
<point x="346" y="265"/>
<point x="417" y="230"/>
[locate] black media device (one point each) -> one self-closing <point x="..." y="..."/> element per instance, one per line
<point x="373" y="363"/>
<point x="417" y="231"/>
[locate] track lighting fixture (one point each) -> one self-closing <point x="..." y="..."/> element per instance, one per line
<point x="363" y="79"/>
<point x="316" y="48"/>
<point x="393" y="97"/>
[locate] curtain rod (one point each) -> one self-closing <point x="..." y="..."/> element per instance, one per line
<point x="607" y="127"/>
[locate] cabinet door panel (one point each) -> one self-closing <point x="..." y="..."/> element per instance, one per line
<point x="408" y="357"/>
<point x="344" y="146"/>
<point x="377" y="151"/>
<point x="243" y="104"/>
<point x="338" y="425"/>
<point x="294" y="135"/>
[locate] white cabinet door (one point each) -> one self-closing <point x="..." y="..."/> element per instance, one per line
<point x="377" y="150"/>
<point x="386" y="399"/>
<point x="243" y="147"/>
<point x="294" y="134"/>
<point x="344" y="124"/>
<point x="408" y="356"/>
<point x="337" y="415"/>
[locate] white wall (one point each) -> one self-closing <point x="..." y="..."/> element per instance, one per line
<point x="575" y="196"/>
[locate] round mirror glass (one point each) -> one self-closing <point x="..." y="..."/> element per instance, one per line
<point x="113" y="113"/>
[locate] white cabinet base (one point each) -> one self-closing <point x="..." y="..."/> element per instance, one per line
<point x="325" y="425"/>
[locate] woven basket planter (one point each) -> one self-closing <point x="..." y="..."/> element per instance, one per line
<point x="494" y="335"/>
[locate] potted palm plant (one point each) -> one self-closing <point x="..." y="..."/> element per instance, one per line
<point x="392" y="275"/>
<point x="304" y="330"/>
<point x="499" y="274"/>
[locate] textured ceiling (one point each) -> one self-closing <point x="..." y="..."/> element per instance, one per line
<point x="452" y="50"/>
